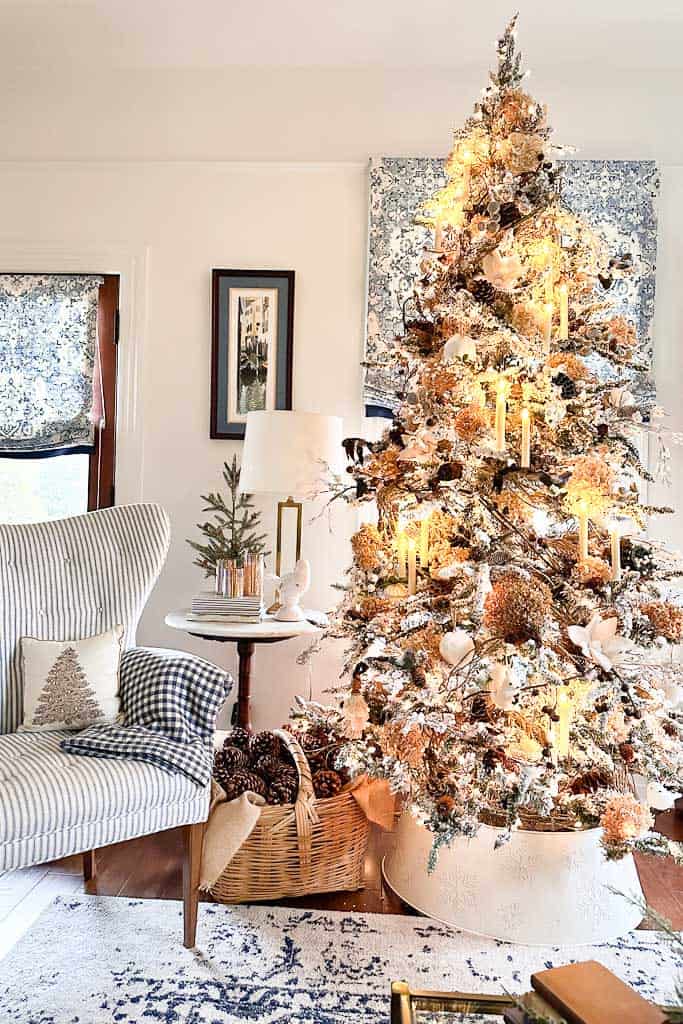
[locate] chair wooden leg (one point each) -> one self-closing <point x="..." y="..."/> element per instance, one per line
<point x="194" y="835"/>
<point x="89" y="866"/>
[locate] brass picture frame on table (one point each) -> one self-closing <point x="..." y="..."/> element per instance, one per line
<point x="252" y="346"/>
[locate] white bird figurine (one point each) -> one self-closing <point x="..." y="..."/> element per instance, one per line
<point x="293" y="585"/>
<point x="501" y="687"/>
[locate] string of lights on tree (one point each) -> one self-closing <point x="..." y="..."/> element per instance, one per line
<point x="510" y="627"/>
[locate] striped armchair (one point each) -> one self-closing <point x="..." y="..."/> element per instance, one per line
<point x="68" y="579"/>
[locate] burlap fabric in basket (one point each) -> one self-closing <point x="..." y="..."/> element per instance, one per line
<point x="306" y="847"/>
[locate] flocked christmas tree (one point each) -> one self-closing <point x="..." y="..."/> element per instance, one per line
<point x="511" y="647"/>
<point x="67" y="695"/>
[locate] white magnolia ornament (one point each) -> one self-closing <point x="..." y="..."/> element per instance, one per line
<point x="501" y="688"/>
<point x="459" y="346"/>
<point x="502" y="272"/>
<point x="599" y="642"/>
<point x="421" y="449"/>
<point x="457" y="648"/>
<point x="673" y="691"/>
<point x="659" y="798"/>
<point x="622" y="398"/>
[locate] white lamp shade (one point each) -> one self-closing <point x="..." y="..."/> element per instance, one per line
<point x="286" y="452"/>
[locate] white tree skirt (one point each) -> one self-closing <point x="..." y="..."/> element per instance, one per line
<point x="540" y="888"/>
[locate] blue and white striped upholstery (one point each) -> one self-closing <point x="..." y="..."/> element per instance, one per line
<point x="72" y="578"/>
<point x="54" y="804"/>
<point x="60" y="580"/>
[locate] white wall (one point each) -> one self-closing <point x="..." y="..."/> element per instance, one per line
<point x="186" y="219"/>
<point x="164" y="223"/>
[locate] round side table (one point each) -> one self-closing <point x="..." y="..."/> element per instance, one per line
<point x="246" y="635"/>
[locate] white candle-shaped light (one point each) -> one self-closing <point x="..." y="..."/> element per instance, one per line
<point x="501" y="411"/>
<point x="478" y="395"/>
<point x="525" y="459"/>
<point x="564" y="710"/>
<point x="424" y="542"/>
<point x="466" y="173"/>
<point x="549" y="272"/>
<point x="401" y="551"/>
<point x="582" y="513"/>
<point x="564" y="311"/>
<point x="615" y="550"/>
<point x="412" y="566"/>
<point x="548" y="310"/>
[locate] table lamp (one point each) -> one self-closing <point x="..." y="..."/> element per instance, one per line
<point x="288" y="453"/>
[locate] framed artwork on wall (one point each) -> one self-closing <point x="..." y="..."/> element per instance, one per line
<point x="252" y="346"/>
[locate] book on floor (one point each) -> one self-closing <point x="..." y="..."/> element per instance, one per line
<point x="587" y="993"/>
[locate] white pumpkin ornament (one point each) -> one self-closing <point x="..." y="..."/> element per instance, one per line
<point x="457" y="648"/>
<point x="459" y="346"/>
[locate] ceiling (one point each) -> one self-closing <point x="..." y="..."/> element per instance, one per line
<point x="205" y="34"/>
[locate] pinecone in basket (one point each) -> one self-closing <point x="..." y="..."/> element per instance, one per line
<point x="284" y="788"/>
<point x="269" y="767"/>
<point x="326" y="784"/>
<point x="232" y="758"/>
<point x="265" y="744"/>
<point x="219" y="771"/>
<point x="238" y="782"/>
<point x="239" y="737"/>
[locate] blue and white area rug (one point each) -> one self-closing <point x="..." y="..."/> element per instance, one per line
<point x="100" y="960"/>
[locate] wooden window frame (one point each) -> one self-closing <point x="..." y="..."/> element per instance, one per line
<point x="102" y="468"/>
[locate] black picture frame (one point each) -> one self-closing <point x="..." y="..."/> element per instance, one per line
<point x="246" y="332"/>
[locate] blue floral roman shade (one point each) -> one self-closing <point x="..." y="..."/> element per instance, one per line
<point x="49" y="363"/>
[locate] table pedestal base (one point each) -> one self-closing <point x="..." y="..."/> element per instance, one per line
<point x="241" y="710"/>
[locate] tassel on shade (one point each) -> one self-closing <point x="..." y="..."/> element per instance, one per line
<point x="356" y="713"/>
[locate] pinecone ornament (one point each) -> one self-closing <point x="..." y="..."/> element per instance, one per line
<point x="591" y="781"/>
<point x="326" y="784"/>
<point x="265" y="744"/>
<point x="315" y="744"/>
<point x="566" y="385"/>
<point x="445" y="805"/>
<point x="482" y="291"/>
<point x="238" y="737"/>
<point x="238" y="782"/>
<point x="233" y="758"/>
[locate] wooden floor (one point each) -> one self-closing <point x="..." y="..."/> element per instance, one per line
<point x="151" y="868"/>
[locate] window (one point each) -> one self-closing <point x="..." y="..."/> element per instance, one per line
<point x="64" y="463"/>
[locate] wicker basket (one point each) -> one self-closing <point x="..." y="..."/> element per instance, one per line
<point x="295" y="849"/>
<point x="556" y="822"/>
